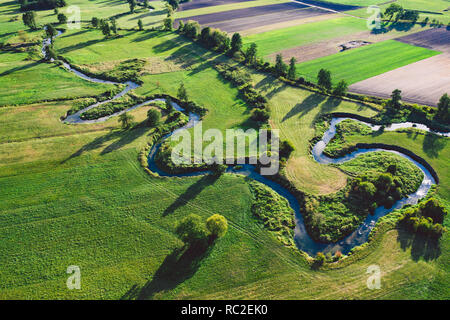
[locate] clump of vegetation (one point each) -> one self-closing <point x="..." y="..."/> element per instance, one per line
<point x="381" y="178"/>
<point x="153" y="117"/>
<point x="126" y="120"/>
<point x="425" y="219"/>
<point x="192" y="229"/>
<point x="242" y="79"/>
<point x="109" y="108"/>
<point x="274" y="212"/>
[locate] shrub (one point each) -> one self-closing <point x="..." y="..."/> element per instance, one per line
<point x="217" y="225"/>
<point x="191" y="229"/>
<point x="153" y="117"/>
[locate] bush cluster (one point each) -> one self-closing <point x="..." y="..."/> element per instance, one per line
<point x="426" y="219"/>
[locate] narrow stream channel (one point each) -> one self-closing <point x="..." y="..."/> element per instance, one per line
<point x="302" y="239"/>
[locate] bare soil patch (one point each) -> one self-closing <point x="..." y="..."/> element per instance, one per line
<point x="328" y="5"/>
<point x="436" y="39"/>
<point x="207" y="19"/>
<point x="290" y="23"/>
<point x="422" y="82"/>
<point x="196" y="4"/>
<point x="267" y="19"/>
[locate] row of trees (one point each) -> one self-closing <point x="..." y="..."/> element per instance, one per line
<point x="106" y="27"/>
<point x="397" y="12"/>
<point x="29" y="19"/>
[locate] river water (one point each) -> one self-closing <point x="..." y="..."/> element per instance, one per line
<point x="302" y="239"/>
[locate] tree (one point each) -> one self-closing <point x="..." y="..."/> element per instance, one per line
<point x="114" y="25"/>
<point x="319" y="260"/>
<point x="442" y="114"/>
<point x="260" y="115"/>
<point x="106" y="30"/>
<point x="250" y="54"/>
<point x="62" y="18"/>
<point x="236" y="43"/>
<point x="392" y="10"/>
<point x="145" y="3"/>
<point x="168" y="24"/>
<point x="324" y="79"/>
<point x="132" y="4"/>
<point x="434" y="209"/>
<point x="396" y="97"/>
<point x="292" y="72"/>
<point x="50" y="53"/>
<point x="153" y="117"/>
<point x="217" y="225"/>
<point x="50" y="31"/>
<point x="182" y="93"/>
<point x="192" y="229"/>
<point x="29" y="19"/>
<point x="286" y="148"/>
<point x="218" y="169"/>
<point x="140" y="25"/>
<point x="341" y="88"/>
<point x="173" y="3"/>
<point x="126" y="120"/>
<point x="280" y="66"/>
<point x="95" y="22"/>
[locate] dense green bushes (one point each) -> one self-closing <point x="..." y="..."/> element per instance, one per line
<point x="274" y="211"/>
<point x="425" y="219"/>
<point x="243" y="80"/>
<point x="377" y="182"/>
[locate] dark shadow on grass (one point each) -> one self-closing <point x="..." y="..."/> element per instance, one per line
<point x="176" y="268"/>
<point x="20" y="68"/>
<point x="119" y="139"/>
<point x="302" y="108"/>
<point x="433" y="144"/>
<point x="421" y="246"/>
<point x="191" y="193"/>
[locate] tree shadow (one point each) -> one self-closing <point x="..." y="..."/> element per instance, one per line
<point x="20" y="68"/>
<point x="119" y="139"/>
<point x="191" y="193"/>
<point x="302" y="108"/>
<point x="176" y="268"/>
<point x="421" y="246"/>
<point x="433" y="144"/>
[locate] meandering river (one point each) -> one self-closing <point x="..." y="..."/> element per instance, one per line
<point x="302" y="239"/>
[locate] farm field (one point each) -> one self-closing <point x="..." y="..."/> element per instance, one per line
<point x="82" y="194"/>
<point x="427" y="79"/>
<point x="390" y="55"/>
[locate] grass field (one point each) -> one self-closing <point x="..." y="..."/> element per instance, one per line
<point x="77" y="194"/>
<point x="22" y="82"/>
<point x="366" y="62"/>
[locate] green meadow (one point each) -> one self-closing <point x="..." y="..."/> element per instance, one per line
<point x="365" y="62"/>
<point x="24" y="81"/>
<point x="78" y="195"/>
